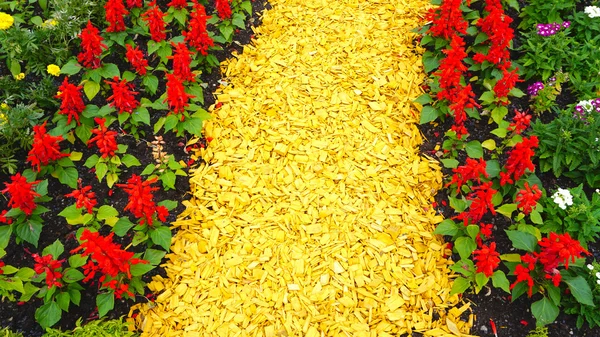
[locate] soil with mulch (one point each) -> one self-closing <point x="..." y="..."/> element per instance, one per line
<point x="19" y="316"/>
<point x="512" y="319"/>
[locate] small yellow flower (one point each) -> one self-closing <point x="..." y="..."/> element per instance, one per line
<point x="4" y="106"/>
<point x="20" y="76"/>
<point x="58" y="93"/>
<point x="3" y="119"/>
<point x="53" y="69"/>
<point x="6" y="21"/>
<point x="50" y="23"/>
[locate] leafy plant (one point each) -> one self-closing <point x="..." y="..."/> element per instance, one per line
<point x="164" y="167"/>
<point x="97" y="328"/>
<point x="586" y="313"/>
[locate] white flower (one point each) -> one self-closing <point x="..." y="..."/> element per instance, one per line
<point x="592" y="11"/>
<point x="598" y="281"/>
<point x="598" y="275"/>
<point x="590" y="267"/>
<point x="563" y="198"/>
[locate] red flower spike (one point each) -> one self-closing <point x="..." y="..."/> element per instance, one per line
<point x="91" y="45"/>
<point x="176" y="95"/>
<point x="141" y="201"/>
<point x="105" y="140"/>
<point x="487" y="259"/>
<point x="506" y="83"/>
<point x="196" y="36"/>
<point x="557" y="249"/>
<point x="45" y="148"/>
<point x="84" y="198"/>
<point x="115" y="13"/>
<point x="179" y="4"/>
<point x="519" y="158"/>
<point x="123" y="97"/>
<point x="527" y="198"/>
<point x="156" y="24"/>
<point x="135" y="57"/>
<point x="22" y="193"/>
<point x="48" y="265"/>
<point x="496" y="25"/>
<point x="520" y="122"/>
<point x="472" y="170"/>
<point x="223" y="9"/>
<point x="447" y="19"/>
<point x="134" y="3"/>
<point x="71" y="101"/>
<point x="181" y="62"/>
<point x="4" y="219"/>
<point x="481" y="198"/>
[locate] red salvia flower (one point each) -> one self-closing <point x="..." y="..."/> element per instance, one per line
<point x="135" y="57"/>
<point x="4" y="219"/>
<point x="487" y="259"/>
<point x="141" y="201"/>
<point x="118" y="288"/>
<point x="21" y="193"/>
<point x="527" y="198"/>
<point x="154" y="18"/>
<point x="115" y="13"/>
<point x="46" y="264"/>
<point x="196" y="36"/>
<point x="523" y="275"/>
<point x="123" y="97"/>
<point x="176" y="95"/>
<point x="134" y="3"/>
<point x="496" y="25"/>
<point x="45" y="148"/>
<point x="519" y="158"/>
<point x="557" y="249"/>
<point x="179" y="4"/>
<point x="71" y="101"/>
<point x="105" y="140"/>
<point x="555" y="277"/>
<point x="447" y="19"/>
<point x="181" y="62"/>
<point x="473" y="169"/>
<point x="84" y="198"/>
<point x="91" y="45"/>
<point x="223" y="9"/>
<point x="504" y="85"/>
<point x="106" y="256"/>
<point x="481" y="198"/>
<point x="520" y="122"/>
<point x="1" y="267"/>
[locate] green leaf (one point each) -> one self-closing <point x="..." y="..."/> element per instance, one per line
<point x="193" y="126"/>
<point x="544" y="311"/>
<point x="492" y="168"/>
<point x="140" y="269"/>
<point x="169" y="204"/>
<point x="499" y="280"/>
<point x="122" y="226"/>
<point x="460" y="285"/>
<point x="71" y="68"/>
<point x="105" y="303"/>
<point x="424" y="99"/>
<point x="536" y="217"/>
<point x="154" y="256"/>
<point x="77" y="260"/>
<point x="29" y="231"/>
<point x="473" y="230"/>
<point x="151" y="83"/>
<point x="489" y="144"/>
<point x="141" y="115"/>
<point x="516" y="92"/>
<point x="474" y="149"/>
<point x="580" y="289"/>
<point x="91" y="89"/>
<point x="521" y="240"/>
<point x="5" y="234"/>
<point x="101" y="169"/>
<point x="55" y="249"/>
<point x="111" y="179"/>
<point x="91" y="161"/>
<point x="168" y="180"/>
<point x="465" y="246"/>
<point x="428" y="114"/>
<point x="498" y="114"/>
<point x="25" y="273"/>
<point x="487" y="97"/>
<point x="106" y="212"/>
<point x="507" y="209"/>
<point x="238" y="20"/>
<point x="161" y="236"/>
<point x="226" y="31"/>
<point x="554" y="294"/>
<point x="148" y="169"/>
<point x="459" y="205"/>
<point x="75" y="296"/>
<point x="67" y="176"/>
<point x="130" y="160"/>
<point x="152" y="46"/>
<point x="450" y="163"/>
<point x="446" y="227"/>
<point x="48" y="314"/>
<point x="63" y="299"/>
<point x="481" y="280"/>
<point x="109" y="70"/>
<point x="73" y="275"/>
<point x="171" y="122"/>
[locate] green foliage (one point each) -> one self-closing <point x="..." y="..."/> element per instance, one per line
<point x="545" y="11"/>
<point x="540" y="331"/>
<point x="586" y="313"/>
<point x="98" y="328"/>
<point x="16" y="128"/>
<point x="4" y="332"/>
<point x="545" y="100"/>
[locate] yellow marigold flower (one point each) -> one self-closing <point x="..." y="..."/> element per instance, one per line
<point x="53" y="69"/>
<point x="6" y="21"/>
<point x="20" y="76"/>
<point x="4" y="106"/>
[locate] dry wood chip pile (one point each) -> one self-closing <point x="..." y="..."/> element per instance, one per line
<point x="313" y="216"/>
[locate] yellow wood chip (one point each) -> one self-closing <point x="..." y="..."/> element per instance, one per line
<point x="312" y="216"/>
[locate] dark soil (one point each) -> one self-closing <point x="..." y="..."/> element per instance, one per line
<point x="19" y="317"/>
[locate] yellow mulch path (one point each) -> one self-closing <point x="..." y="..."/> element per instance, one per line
<point x="313" y="217"/>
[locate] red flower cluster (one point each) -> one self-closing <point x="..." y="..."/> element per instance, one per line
<point x="557" y="249"/>
<point x="504" y="85"/>
<point x="91" y="44"/>
<point x="223" y="9"/>
<point x="4" y="219"/>
<point x="71" y="101"/>
<point x="123" y="97"/>
<point x="487" y="259"/>
<point x="519" y="159"/>
<point x="115" y="12"/>
<point x="1" y="267"/>
<point x="134" y="3"/>
<point x="141" y="201"/>
<point x="48" y="265"/>
<point x="176" y="95"/>
<point x="481" y="201"/>
<point x="154" y="18"/>
<point x="523" y="273"/>
<point x="450" y="72"/>
<point x="118" y="288"/>
<point x="106" y="256"/>
<point x="104" y="139"/>
<point x="496" y="25"/>
<point x="22" y="193"/>
<point x="84" y="198"/>
<point x="447" y="20"/>
<point x="181" y="62"/>
<point x="527" y="198"/>
<point x="520" y="122"/>
<point x="196" y="35"/>
<point x="136" y="58"/>
<point x="45" y="148"/>
<point x="179" y="4"/>
<point x="473" y="169"/>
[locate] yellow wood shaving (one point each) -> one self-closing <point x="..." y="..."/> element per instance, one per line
<point x="313" y="215"/>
